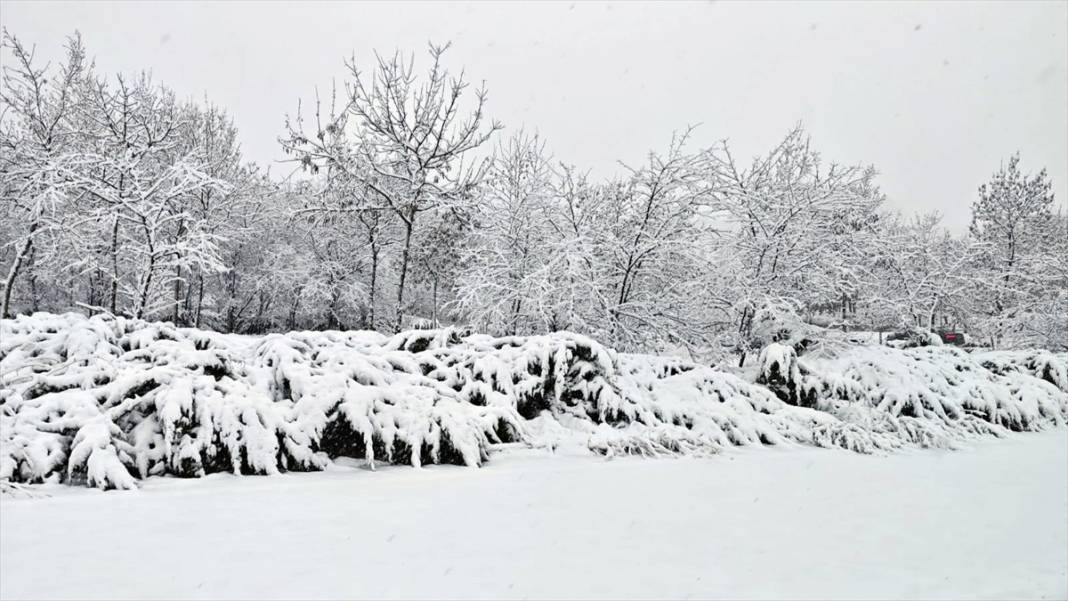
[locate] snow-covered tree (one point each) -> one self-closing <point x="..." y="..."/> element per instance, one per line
<point x="1022" y="248"/>
<point x="405" y="138"/>
<point x="140" y="179"/>
<point x="209" y="135"/>
<point x="920" y="273"/>
<point x="790" y="218"/>
<point x="38" y="109"/>
<point x="653" y="251"/>
<point x="571" y="293"/>
<point x="507" y="251"/>
<point x="120" y="199"/>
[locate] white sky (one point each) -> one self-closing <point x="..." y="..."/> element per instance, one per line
<point x="934" y="94"/>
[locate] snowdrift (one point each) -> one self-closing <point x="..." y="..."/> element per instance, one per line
<point x="106" y="401"/>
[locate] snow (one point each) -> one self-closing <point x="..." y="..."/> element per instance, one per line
<point x="543" y="496"/>
<point x="107" y="402"/>
<point x="989" y="521"/>
<point x="934" y="396"/>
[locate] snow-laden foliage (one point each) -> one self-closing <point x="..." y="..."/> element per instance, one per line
<point x="1051" y="367"/>
<point x="781" y="372"/>
<point x="353" y="398"/>
<point x="568" y="388"/>
<point x="106" y="401"/>
<point x="103" y="401"/>
<point x="929" y="396"/>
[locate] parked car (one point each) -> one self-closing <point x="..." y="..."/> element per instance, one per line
<point x="950" y="336"/>
<point x="920" y="337"/>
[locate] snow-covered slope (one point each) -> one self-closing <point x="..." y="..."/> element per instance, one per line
<point x="987" y="522"/>
<point x="109" y="401"/>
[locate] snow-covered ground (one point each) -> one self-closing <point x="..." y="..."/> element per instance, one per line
<point x="990" y="521"/>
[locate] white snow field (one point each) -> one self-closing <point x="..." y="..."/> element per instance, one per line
<point x="989" y="521"/>
<point x="542" y="467"/>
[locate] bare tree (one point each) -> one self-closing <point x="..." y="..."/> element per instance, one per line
<point x="141" y="180"/>
<point x="403" y="136"/>
<point x="788" y="214"/>
<point x="36" y="109"/>
<point x="919" y="271"/>
<point x="509" y="243"/>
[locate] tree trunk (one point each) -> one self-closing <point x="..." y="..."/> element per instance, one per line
<point x="231" y="304"/>
<point x="31" y="275"/>
<point x="374" y="281"/>
<point x="332" y="321"/>
<point x="517" y="307"/>
<point x="145" y="288"/>
<point x="409" y="225"/>
<point x="178" y="278"/>
<point x="177" y="294"/>
<point x="434" y="310"/>
<point x="9" y="283"/>
<point x="200" y="298"/>
<point x="291" y="321"/>
<point x="744" y="327"/>
<point x="114" y="263"/>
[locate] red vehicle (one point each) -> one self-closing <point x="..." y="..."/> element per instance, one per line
<point x="949" y="336"/>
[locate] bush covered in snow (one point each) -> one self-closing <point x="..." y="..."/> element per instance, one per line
<point x="107" y="401"/>
<point x="932" y="395"/>
<point x="1051" y="367"/>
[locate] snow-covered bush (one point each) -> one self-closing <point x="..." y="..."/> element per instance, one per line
<point x="933" y="395"/>
<point x="106" y="401"/>
<point x="348" y="398"/>
<point x="781" y="372"/>
<point x="778" y="321"/>
<point x="632" y="404"/>
<point x="110" y="398"/>
<point x="1051" y="367"/>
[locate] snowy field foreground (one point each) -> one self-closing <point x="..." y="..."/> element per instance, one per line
<point x="822" y="475"/>
<point x="989" y="521"/>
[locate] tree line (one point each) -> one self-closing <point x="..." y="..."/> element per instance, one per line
<point x="412" y="207"/>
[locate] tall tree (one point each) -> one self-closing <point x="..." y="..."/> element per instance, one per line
<point x="507" y="249"/>
<point x="409" y="136"/>
<point x="37" y="108"/>
<point x="1012" y="216"/>
<point x="788" y="213"/>
<point x="141" y="178"/>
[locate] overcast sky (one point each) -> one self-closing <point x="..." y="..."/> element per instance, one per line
<point x="935" y="94"/>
